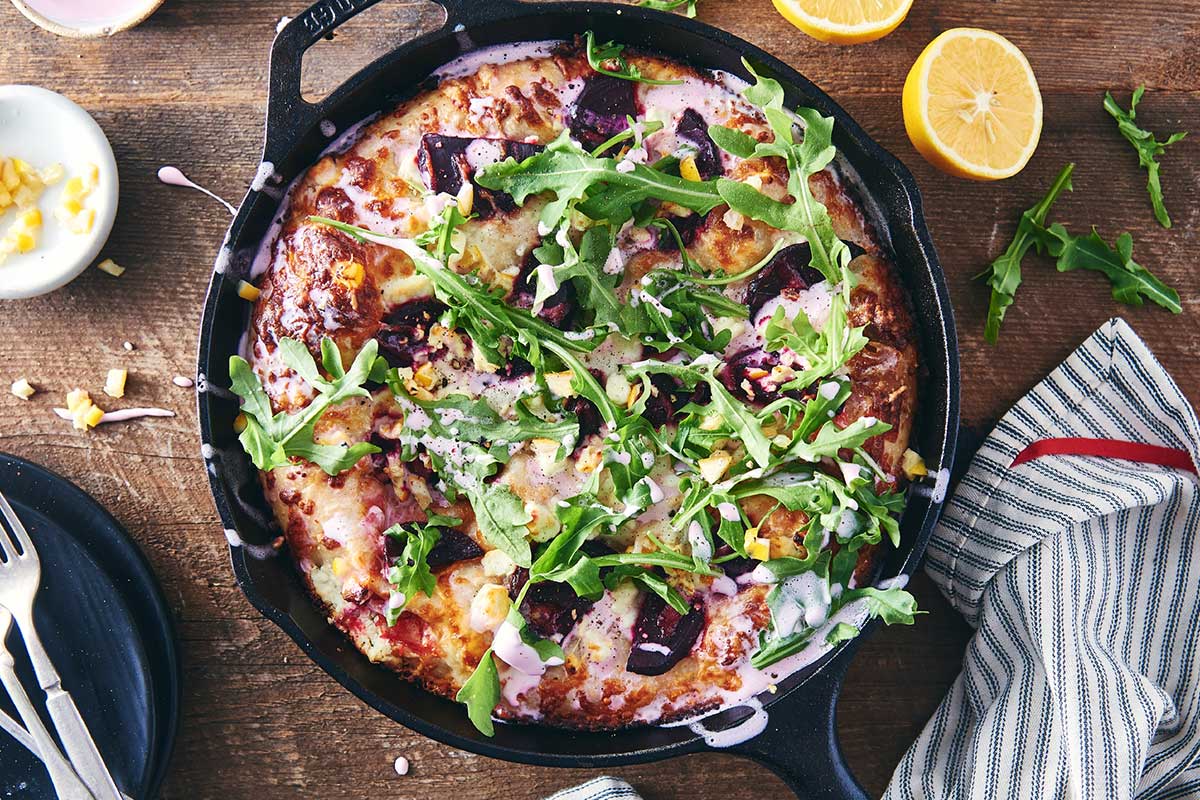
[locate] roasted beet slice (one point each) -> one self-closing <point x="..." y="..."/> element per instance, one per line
<point x="552" y="609"/>
<point x="559" y="308"/>
<point x="687" y="228"/>
<point x="404" y="333"/>
<point x="665" y="401"/>
<point x="601" y="110"/>
<point x="788" y="271"/>
<point x="454" y="546"/>
<point x="693" y="129"/>
<point x="737" y="567"/>
<point x="447" y="161"/>
<point x="661" y="637"/>
<point x="751" y="368"/>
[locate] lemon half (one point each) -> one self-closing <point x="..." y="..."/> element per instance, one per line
<point x="972" y="105"/>
<point x="845" y="21"/>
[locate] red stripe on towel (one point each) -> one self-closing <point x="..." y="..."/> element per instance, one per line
<point x="1108" y="448"/>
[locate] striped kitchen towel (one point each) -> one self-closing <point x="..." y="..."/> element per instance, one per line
<point x="1082" y="577"/>
<point x="599" y="789"/>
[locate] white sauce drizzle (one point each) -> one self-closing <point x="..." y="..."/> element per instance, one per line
<point x="173" y="176"/>
<point x="512" y="650"/>
<point x="122" y="415"/>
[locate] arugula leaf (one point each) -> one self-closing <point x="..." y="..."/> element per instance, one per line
<point x="607" y="59"/>
<point x="271" y="440"/>
<point x="492" y="324"/>
<point x="740" y="419"/>
<point x="671" y="5"/>
<point x="571" y="173"/>
<point x="501" y="517"/>
<point x="1004" y="274"/>
<point x="894" y="606"/>
<point x="824" y="351"/>
<point x="410" y="573"/>
<point x="480" y="693"/>
<point x="439" y="238"/>
<point x="649" y="581"/>
<point x="842" y="632"/>
<point x="1147" y="146"/>
<point x="805" y="215"/>
<point x="1130" y="281"/>
<point x="560" y="261"/>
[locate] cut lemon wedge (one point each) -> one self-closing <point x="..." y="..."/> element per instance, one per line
<point x="972" y="105"/>
<point x="845" y="21"/>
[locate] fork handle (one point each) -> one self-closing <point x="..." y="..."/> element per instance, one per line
<point x="66" y="784"/>
<point x="72" y="730"/>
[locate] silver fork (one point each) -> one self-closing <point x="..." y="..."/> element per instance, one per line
<point x="20" y="575"/>
<point x="66" y="785"/>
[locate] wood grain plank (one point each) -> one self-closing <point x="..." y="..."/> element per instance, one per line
<point x="188" y="88"/>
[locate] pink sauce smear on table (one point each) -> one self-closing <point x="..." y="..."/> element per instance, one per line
<point x="88" y="13"/>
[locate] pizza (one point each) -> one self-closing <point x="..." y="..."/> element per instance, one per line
<point x="581" y="386"/>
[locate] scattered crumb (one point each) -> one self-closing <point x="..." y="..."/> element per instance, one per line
<point x="114" y="383"/>
<point x="182" y="382"/>
<point x="401" y="765"/>
<point x="111" y="267"/>
<point x="23" y="389"/>
<point x="127" y="345"/>
<point x="772" y="688"/>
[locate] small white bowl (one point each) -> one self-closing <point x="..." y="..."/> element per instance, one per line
<point x="100" y="24"/>
<point x="44" y="128"/>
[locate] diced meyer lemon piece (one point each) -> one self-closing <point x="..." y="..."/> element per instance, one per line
<point x="76" y="399"/>
<point x="68" y="208"/>
<point x="688" y="169"/>
<point x="114" y="382"/>
<point x="339" y="567"/>
<point x="426" y="376"/>
<point x="466" y="198"/>
<point x="913" y="465"/>
<point x="30" y="218"/>
<point x="82" y="222"/>
<point x="712" y="468"/>
<point x="757" y="548"/>
<point x="91" y="177"/>
<point x="52" y="174"/>
<point x="24" y="197"/>
<point x="25" y="241"/>
<point x="9" y="176"/>
<point x="111" y="267"/>
<point x="92" y="416"/>
<point x="559" y="383"/>
<point x="22" y="389"/>
<point x="248" y="291"/>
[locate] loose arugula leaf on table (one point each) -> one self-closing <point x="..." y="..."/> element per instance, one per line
<point x="608" y="59"/>
<point x="671" y="5"/>
<point x="271" y="440"/>
<point x="1004" y="274"/>
<point x="410" y="573"/>
<point x="1131" y="282"/>
<point x="805" y="215"/>
<point x="1148" y="148"/>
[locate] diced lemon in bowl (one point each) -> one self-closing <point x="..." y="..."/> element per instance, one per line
<point x="972" y="106"/>
<point x="845" y="21"/>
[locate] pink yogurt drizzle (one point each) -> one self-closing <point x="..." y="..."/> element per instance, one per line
<point x="173" y="176"/>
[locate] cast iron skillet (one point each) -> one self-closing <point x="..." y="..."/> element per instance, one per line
<point x="800" y="743"/>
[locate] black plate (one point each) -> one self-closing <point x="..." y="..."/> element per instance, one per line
<point x="103" y="619"/>
<point x="803" y="709"/>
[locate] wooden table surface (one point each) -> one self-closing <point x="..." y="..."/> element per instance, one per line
<point x="188" y="87"/>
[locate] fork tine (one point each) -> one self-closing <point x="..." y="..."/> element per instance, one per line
<point x="18" y="530"/>
<point x="27" y="543"/>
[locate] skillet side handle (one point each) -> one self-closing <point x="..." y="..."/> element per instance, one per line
<point x="287" y="110"/>
<point x="800" y="744"/>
